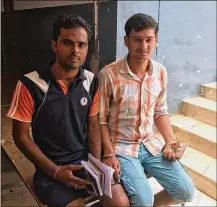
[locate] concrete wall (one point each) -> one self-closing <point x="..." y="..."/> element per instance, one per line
<point x="20" y="5"/>
<point x="187" y="42"/>
<point x="187" y="46"/>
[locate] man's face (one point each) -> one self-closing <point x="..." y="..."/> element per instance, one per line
<point x="71" y="47"/>
<point x="141" y="44"/>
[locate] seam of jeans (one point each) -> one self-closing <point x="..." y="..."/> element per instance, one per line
<point x="139" y="177"/>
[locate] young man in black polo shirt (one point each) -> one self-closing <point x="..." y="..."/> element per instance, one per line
<point x="60" y="104"/>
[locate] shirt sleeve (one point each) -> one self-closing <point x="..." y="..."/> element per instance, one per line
<point x="161" y="103"/>
<point x="105" y="88"/>
<point x="94" y="109"/>
<point x="22" y="104"/>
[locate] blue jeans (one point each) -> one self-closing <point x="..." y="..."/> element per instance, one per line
<point x="171" y="175"/>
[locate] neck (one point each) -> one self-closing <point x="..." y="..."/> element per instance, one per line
<point x="138" y="67"/>
<point x="62" y="74"/>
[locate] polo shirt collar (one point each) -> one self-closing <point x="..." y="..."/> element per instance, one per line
<point x="46" y="74"/>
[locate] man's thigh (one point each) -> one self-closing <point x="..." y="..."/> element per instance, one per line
<point x="135" y="181"/>
<point x="171" y="175"/>
<point x="53" y="193"/>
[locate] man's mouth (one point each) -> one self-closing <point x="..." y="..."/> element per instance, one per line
<point x="73" y="58"/>
<point x="143" y="53"/>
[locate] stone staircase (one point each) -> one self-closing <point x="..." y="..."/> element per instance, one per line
<point x="196" y="123"/>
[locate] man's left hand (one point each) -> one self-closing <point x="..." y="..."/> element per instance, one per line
<point x="168" y="152"/>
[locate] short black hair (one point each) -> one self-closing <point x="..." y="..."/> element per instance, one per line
<point x="139" y="22"/>
<point x="68" y="21"/>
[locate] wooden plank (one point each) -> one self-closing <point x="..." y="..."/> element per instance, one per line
<point x="8" y="84"/>
<point x="10" y="180"/>
<point x="21" y="197"/>
<point x="23" y="166"/>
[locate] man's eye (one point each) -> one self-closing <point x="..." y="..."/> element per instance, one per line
<point x="137" y="40"/>
<point x="67" y="43"/>
<point x="82" y="45"/>
<point x="149" y="40"/>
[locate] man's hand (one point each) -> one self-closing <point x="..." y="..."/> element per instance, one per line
<point x="113" y="163"/>
<point x="168" y="152"/>
<point x="65" y="176"/>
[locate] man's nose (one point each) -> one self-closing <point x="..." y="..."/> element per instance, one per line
<point x="144" y="44"/>
<point x="74" y="49"/>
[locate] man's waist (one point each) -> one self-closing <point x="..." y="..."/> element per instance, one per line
<point x="153" y="145"/>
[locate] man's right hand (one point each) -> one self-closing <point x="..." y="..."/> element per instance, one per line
<point x="65" y="176"/>
<point x="113" y="163"/>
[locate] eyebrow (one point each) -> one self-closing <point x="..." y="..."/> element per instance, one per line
<point x="150" y="37"/>
<point x="68" y="40"/>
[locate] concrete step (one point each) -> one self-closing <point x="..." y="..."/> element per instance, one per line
<point x="200" y="108"/>
<point x="200" y="136"/>
<point x="202" y="169"/>
<point x="200" y="199"/>
<point x="209" y="91"/>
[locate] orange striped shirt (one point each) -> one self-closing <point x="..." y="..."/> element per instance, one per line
<point x="129" y="106"/>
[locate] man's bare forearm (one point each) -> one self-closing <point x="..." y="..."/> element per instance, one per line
<point x="106" y="143"/>
<point x="34" y="154"/>
<point x="165" y="127"/>
<point x="94" y="142"/>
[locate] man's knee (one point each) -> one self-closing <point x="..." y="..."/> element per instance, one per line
<point x="119" y="197"/>
<point x="141" y="200"/>
<point x="185" y="193"/>
<point x="78" y="202"/>
<point x="189" y="193"/>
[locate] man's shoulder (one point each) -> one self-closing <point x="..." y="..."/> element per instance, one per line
<point x="34" y="78"/>
<point x="112" y="67"/>
<point x="158" y="67"/>
<point x="157" y="64"/>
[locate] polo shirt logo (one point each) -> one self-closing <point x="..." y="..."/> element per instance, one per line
<point x="83" y="101"/>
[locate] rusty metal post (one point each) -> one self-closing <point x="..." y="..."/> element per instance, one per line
<point x="95" y="57"/>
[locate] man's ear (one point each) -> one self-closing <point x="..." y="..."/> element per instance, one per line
<point x="54" y="45"/>
<point x="126" y="41"/>
<point x="156" y="40"/>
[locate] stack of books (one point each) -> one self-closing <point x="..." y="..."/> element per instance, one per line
<point x="99" y="175"/>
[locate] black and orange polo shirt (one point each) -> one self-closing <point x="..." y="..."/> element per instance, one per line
<point x="58" y="116"/>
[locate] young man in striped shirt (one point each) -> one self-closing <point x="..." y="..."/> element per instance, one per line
<point x="132" y="99"/>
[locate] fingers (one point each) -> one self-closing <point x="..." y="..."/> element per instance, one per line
<point x="113" y="163"/>
<point x="75" y="167"/>
<point x="173" y="156"/>
<point x="78" y="183"/>
<point x="116" y="167"/>
<point x="169" y="154"/>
